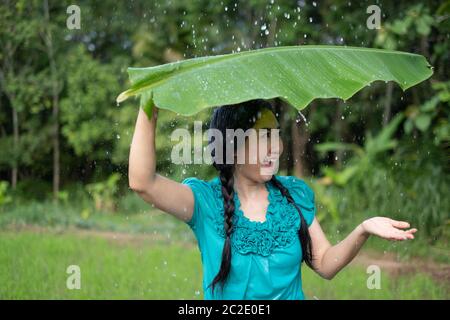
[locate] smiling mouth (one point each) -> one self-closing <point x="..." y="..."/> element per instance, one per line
<point x="268" y="162"/>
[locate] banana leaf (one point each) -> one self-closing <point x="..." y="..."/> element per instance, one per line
<point x="295" y="74"/>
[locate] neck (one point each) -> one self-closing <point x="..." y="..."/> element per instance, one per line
<point x="247" y="188"/>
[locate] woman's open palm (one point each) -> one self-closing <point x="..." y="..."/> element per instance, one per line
<point x="387" y="228"/>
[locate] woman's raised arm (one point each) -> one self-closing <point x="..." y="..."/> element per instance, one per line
<point x="167" y="195"/>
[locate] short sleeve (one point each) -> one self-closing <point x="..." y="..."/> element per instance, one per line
<point x="303" y="196"/>
<point x="201" y="191"/>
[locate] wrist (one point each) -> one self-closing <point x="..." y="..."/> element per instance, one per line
<point x="362" y="229"/>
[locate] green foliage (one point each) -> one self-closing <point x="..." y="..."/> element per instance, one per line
<point x="417" y="20"/>
<point x="133" y="216"/>
<point x="433" y="115"/>
<point x="5" y="198"/>
<point x="63" y="196"/>
<point x="369" y="185"/>
<point x="104" y="193"/>
<point x="364" y="157"/>
<point x="404" y="186"/>
<point x="89" y="129"/>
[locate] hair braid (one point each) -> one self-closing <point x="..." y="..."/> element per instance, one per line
<point x="303" y="233"/>
<point x="227" y="181"/>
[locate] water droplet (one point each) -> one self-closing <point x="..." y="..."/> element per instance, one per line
<point x="300" y="117"/>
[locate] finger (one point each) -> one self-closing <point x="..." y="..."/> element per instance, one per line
<point x="402" y="235"/>
<point x="400" y="224"/>
<point x="414" y="230"/>
<point x="407" y="236"/>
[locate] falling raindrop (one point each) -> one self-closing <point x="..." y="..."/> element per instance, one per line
<point x="301" y="115"/>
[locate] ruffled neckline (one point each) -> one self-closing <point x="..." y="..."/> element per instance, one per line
<point x="261" y="237"/>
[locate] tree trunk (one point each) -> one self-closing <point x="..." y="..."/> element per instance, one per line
<point x="8" y="72"/>
<point x="15" y="169"/>
<point x="387" y="104"/>
<point x="338" y="124"/>
<point x="299" y="141"/>
<point x="55" y="101"/>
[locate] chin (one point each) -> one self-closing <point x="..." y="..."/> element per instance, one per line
<point x="266" y="178"/>
<point x="266" y="174"/>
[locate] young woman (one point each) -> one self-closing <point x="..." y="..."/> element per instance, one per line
<point x="253" y="229"/>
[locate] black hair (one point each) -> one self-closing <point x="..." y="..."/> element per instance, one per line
<point x="243" y="116"/>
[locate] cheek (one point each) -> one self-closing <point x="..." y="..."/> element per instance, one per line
<point x="246" y="153"/>
<point x="277" y="147"/>
<point x="251" y="153"/>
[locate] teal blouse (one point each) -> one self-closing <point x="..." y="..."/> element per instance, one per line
<point x="265" y="259"/>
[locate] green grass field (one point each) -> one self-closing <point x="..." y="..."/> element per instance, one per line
<point x="143" y="253"/>
<point x="119" y="266"/>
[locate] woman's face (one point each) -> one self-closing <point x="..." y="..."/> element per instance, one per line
<point x="262" y="153"/>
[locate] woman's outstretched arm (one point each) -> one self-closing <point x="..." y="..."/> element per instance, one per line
<point x="328" y="260"/>
<point x="165" y="194"/>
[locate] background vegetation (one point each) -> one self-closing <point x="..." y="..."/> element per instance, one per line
<point x="64" y="143"/>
